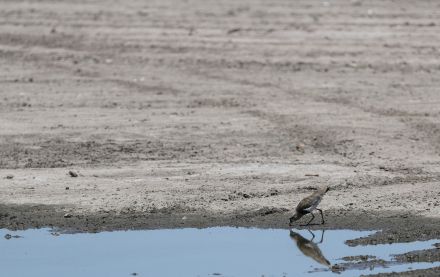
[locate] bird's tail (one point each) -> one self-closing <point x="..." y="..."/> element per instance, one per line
<point x="324" y="189"/>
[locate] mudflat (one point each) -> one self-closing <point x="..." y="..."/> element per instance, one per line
<point x="204" y="113"/>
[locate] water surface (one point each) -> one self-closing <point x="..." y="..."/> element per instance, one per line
<point x="222" y="251"/>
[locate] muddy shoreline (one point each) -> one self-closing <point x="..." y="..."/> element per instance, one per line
<point x="394" y="228"/>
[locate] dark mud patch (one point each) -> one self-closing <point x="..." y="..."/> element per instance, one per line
<point x="430" y="255"/>
<point x="395" y="227"/>
<point x="358" y="258"/>
<point x="431" y="272"/>
<point x="404" y="232"/>
<point x="53" y="152"/>
<point x="419" y="253"/>
<point x="59" y="152"/>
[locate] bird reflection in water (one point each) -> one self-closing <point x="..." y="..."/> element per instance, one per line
<point x="309" y="248"/>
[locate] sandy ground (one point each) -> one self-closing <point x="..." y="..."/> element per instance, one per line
<point x="219" y="110"/>
<point x="203" y="113"/>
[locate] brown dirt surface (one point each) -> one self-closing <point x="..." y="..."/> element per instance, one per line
<point x="202" y="112"/>
<point x="151" y="114"/>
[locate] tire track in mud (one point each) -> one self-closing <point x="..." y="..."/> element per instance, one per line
<point x="416" y="123"/>
<point x="340" y="142"/>
<point x="292" y="132"/>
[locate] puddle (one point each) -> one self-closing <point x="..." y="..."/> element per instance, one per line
<point x="222" y="251"/>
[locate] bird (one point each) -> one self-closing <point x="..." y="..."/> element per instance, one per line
<point x="308" y="205"/>
<point x="309" y="248"/>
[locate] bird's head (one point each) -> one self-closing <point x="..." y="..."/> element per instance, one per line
<point x="295" y="217"/>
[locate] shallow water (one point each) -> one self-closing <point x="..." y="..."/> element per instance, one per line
<point x="222" y="251"/>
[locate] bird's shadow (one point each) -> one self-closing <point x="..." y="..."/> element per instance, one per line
<point x="311" y="224"/>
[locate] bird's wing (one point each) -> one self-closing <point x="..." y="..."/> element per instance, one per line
<point x="308" y="202"/>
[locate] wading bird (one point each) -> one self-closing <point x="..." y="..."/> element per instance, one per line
<point x="308" y="205"/>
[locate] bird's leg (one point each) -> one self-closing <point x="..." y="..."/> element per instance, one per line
<point x="322" y="216"/>
<point x="313" y="235"/>
<point x="322" y="236"/>
<point x="313" y="217"/>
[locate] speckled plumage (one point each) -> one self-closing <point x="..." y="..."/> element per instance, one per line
<point x="309" y="204"/>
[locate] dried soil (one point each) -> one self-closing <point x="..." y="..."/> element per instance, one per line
<point x="219" y="112"/>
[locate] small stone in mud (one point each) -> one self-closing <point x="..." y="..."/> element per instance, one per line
<point x="8" y="236"/>
<point x="311" y="175"/>
<point x="67" y="215"/>
<point x="234" y="30"/>
<point x="67" y="188"/>
<point x="9" y="176"/>
<point x="272" y="192"/>
<point x="73" y="173"/>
